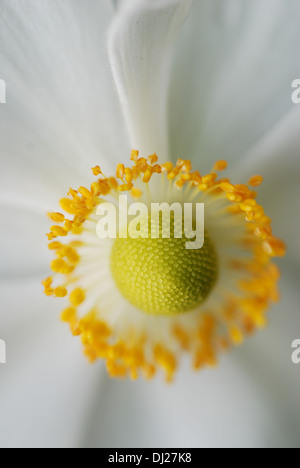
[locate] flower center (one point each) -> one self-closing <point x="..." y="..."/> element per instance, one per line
<point x="161" y="276"/>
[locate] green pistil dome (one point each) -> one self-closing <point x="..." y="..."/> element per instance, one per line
<point x="162" y="277"/>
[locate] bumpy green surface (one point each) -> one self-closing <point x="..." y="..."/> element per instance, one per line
<point x="161" y="276"/>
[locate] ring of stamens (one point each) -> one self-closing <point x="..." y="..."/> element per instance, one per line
<point x="147" y="342"/>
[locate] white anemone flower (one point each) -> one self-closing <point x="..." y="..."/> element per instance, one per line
<point x="204" y="81"/>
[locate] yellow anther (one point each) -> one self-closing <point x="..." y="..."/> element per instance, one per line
<point x="77" y="297"/>
<point x="186" y="177"/>
<point x="76" y="229"/>
<point x="274" y="247"/>
<point x="47" y="282"/>
<point x="258" y="211"/>
<point x="172" y="174"/>
<point x="104" y="186"/>
<point x="220" y="165"/>
<point x="68" y="269"/>
<point x="89" y="204"/>
<point x="113" y="183"/>
<point x="49" y="291"/>
<point x="125" y="187"/>
<point x="240" y="188"/>
<point x="59" y="231"/>
<point x="142" y="164"/>
<point x="120" y="171"/>
<point x="96" y="170"/>
<point x="85" y="192"/>
<point x="209" y="178"/>
<point x="156" y="169"/>
<point x="186" y="166"/>
<point x="69" y="253"/>
<point x="95" y="189"/>
<point x="51" y="236"/>
<point x="167" y="167"/>
<point x="234" y="197"/>
<point x="147" y="175"/>
<point x="263" y="233"/>
<point x="68" y="205"/>
<point x="134" y="155"/>
<point x="256" y="180"/>
<point x="250" y="216"/>
<point x="57" y="217"/>
<point x="73" y="193"/>
<point x="73" y="256"/>
<point x="116" y="370"/>
<point x="54" y="246"/>
<point x="68" y="314"/>
<point x="227" y="187"/>
<point x="135" y="172"/>
<point x="68" y="225"/>
<point x="128" y="175"/>
<point x="58" y="265"/>
<point x="153" y="158"/>
<point x="60" y="292"/>
<point x="180" y="163"/>
<point x="180" y="183"/>
<point x="196" y="178"/>
<point x="248" y="205"/>
<point x="136" y="193"/>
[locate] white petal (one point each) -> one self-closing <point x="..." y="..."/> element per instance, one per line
<point x="277" y="158"/>
<point x="250" y="401"/>
<point x="62" y="114"/>
<point x="217" y="408"/>
<point x="267" y="358"/>
<point x="46" y="384"/>
<point x="23" y="248"/>
<point x="141" y="41"/>
<point x="233" y="75"/>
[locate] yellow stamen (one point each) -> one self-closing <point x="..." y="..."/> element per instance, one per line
<point x="136" y="193"/>
<point x="220" y="165"/>
<point x="68" y="314"/>
<point x="77" y="297"/>
<point x="61" y="292"/>
<point x="96" y="170"/>
<point x="227" y="187"/>
<point x="120" y="171"/>
<point x="58" y="231"/>
<point x="57" y="217"/>
<point x="134" y="155"/>
<point x="128" y="175"/>
<point x="256" y="180"/>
